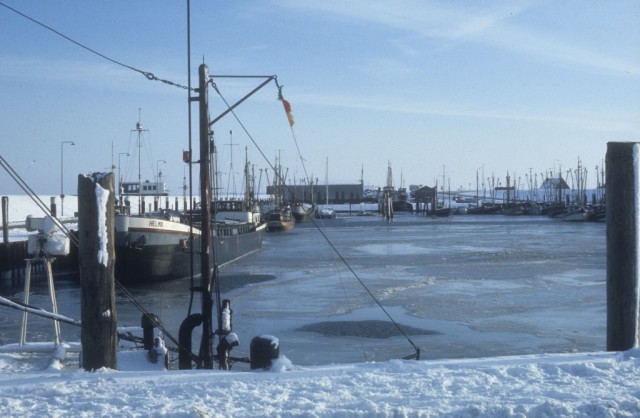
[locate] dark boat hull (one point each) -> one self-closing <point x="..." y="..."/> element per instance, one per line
<point x="444" y="212"/>
<point x="150" y="255"/>
<point x="402" y="206"/>
<point x="233" y="246"/>
<point x="280" y="220"/>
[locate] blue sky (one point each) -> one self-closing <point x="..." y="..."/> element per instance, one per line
<point x="461" y="87"/>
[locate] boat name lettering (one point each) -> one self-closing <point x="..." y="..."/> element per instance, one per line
<point x="155" y="223"/>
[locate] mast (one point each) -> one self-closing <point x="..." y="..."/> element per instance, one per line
<point x="442" y="185"/>
<point x="206" y="345"/>
<point x="231" y="177"/>
<point x="139" y="129"/>
<point x="326" y="181"/>
<point x="477" y="186"/>
<point x="247" y="180"/>
<point x="388" y="195"/>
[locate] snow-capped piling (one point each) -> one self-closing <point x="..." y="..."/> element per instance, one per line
<point x="264" y="350"/>
<point x="97" y="259"/>
<point x="623" y="214"/>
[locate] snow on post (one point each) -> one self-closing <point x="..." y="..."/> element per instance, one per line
<point x="102" y="200"/>
<point x="623" y="251"/>
<point x="97" y="261"/>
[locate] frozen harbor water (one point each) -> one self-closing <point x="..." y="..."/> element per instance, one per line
<point x="467" y="286"/>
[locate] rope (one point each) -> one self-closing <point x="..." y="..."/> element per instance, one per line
<point x="36" y="199"/>
<point x="151" y="76"/>
<point x="416" y="355"/>
<point x="23" y="185"/>
<point x="356" y="330"/>
<point x="147" y="74"/>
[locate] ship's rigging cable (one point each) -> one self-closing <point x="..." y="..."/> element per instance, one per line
<point x="151" y="76"/>
<point x="36" y="199"/>
<point x="293" y="133"/>
<point x="230" y="109"/>
<point x="416" y="355"/>
<point x="74" y="239"/>
<point x="356" y="330"/>
<point x="147" y="74"/>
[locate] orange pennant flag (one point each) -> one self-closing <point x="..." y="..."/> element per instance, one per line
<point x="287" y="109"/>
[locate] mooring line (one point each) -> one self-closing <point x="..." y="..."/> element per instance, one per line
<point x="36" y="199"/>
<point x="416" y="355"/>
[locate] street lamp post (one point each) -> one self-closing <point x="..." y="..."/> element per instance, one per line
<point x="62" y="174"/>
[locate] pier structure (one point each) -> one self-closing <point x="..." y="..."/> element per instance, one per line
<point x="623" y="248"/>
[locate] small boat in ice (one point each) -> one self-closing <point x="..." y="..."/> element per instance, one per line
<point x="327" y="213"/>
<point x="303" y="211"/>
<point x="280" y="219"/>
<point x="577" y="214"/>
<point x="444" y="212"/>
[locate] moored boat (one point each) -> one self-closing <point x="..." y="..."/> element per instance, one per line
<point x="577" y="215"/>
<point x="152" y="247"/>
<point x="157" y="245"/>
<point x="444" y="212"/>
<point x="512" y="209"/>
<point x="327" y="213"/>
<point x="280" y="220"/>
<point x="303" y="212"/>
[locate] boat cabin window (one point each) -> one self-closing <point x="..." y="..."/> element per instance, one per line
<point x="229" y="206"/>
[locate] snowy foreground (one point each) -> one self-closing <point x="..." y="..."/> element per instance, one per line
<point x="600" y="384"/>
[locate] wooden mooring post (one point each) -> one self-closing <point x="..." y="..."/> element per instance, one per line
<point x="96" y="212"/>
<point x="623" y="221"/>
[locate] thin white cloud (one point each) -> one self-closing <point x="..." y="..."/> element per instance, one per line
<point x="383" y="68"/>
<point x="535" y="44"/>
<point x="426" y="18"/>
<point x="618" y="123"/>
<point x="73" y="72"/>
<point x="478" y="24"/>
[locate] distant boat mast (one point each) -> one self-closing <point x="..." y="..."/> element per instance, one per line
<point x="139" y="129"/>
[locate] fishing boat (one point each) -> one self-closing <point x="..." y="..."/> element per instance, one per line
<point x="444" y="211"/>
<point x="326" y="212"/>
<point x="162" y="239"/>
<point x="150" y="245"/>
<point x="303" y="207"/>
<point x="401" y="201"/>
<point x="401" y="198"/>
<point x="238" y="236"/>
<point x="577" y="214"/>
<point x="280" y="219"/>
<point x="156" y="245"/>
<point x="236" y="227"/>
<point x="303" y="211"/>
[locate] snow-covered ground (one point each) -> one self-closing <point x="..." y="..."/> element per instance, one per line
<point x="561" y="385"/>
<point x="586" y="384"/>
